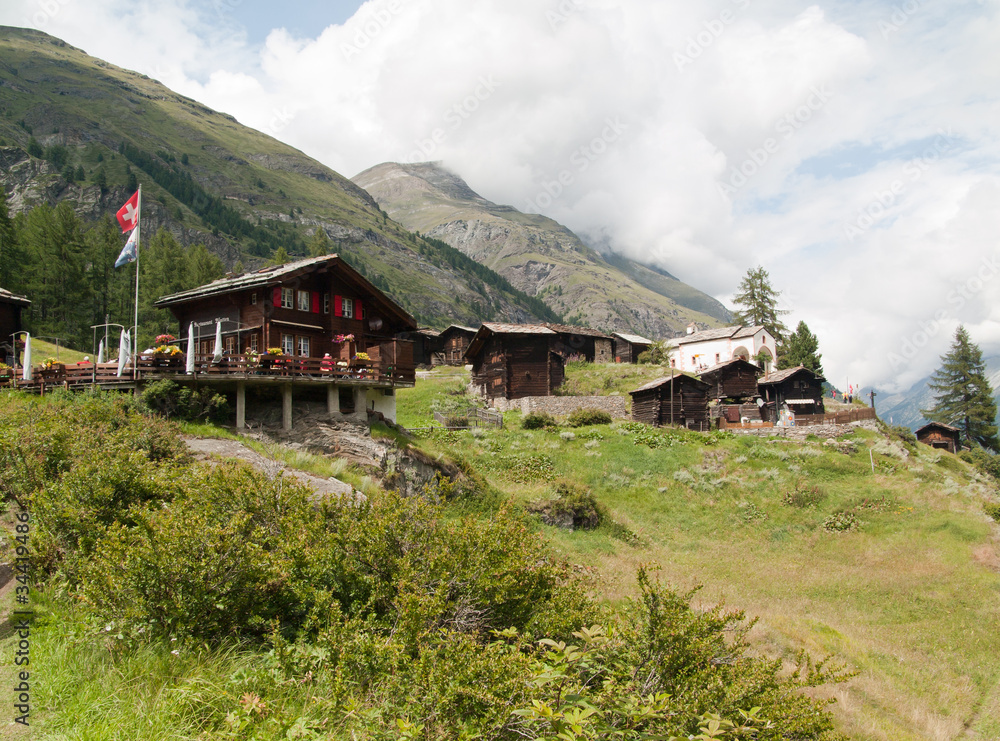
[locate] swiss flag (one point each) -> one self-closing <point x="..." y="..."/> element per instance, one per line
<point x="128" y="215"/>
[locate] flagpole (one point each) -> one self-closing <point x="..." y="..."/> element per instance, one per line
<point x="138" y="239"/>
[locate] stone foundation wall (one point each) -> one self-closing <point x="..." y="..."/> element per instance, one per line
<point x="800" y="433"/>
<point x="560" y="406"/>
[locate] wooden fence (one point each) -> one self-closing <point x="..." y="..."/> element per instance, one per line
<point x="474" y="418"/>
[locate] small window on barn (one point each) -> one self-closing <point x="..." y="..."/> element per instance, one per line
<point x="326" y="303"/>
<point x="717" y="356"/>
<point x="253" y="298"/>
<point x="303" y="300"/>
<point x="287" y="298"/>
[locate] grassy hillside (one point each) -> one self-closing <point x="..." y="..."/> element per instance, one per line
<point x="896" y="572"/>
<point x="96" y="131"/>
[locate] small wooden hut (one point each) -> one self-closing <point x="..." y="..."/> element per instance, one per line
<point x="942" y="436"/>
<point x="734" y="380"/>
<point x="454" y="342"/>
<point x="678" y="399"/>
<point x="11" y="306"/>
<point x="426" y="346"/>
<point x="513" y="361"/>
<point x="794" y="390"/>
<point x="582" y="343"/>
<point x="628" y="347"/>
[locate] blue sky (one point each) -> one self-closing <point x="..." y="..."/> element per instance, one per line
<point x="851" y="148"/>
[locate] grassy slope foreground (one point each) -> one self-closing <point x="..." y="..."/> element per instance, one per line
<point x="897" y="572"/>
<point x="176" y="599"/>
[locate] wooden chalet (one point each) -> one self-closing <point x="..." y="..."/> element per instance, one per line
<point x="678" y="399"/>
<point x="514" y="361"/>
<point x="941" y="436"/>
<point x="734" y="380"/>
<point x="582" y="343"/>
<point x="791" y="392"/>
<point x="11" y="306"/>
<point x="628" y="347"/>
<point x="426" y="346"/>
<point x="307" y="309"/>
<point x="455" y="341"/>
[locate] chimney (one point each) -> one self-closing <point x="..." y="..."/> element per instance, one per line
<point x="692" y="328"/>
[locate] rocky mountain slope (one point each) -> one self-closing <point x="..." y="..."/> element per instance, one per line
<point x="74" y="128"/>
<point x="538" y="255"/>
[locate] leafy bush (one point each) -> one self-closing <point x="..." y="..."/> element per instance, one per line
<point x="183" y="402"/>
<point x="841" y="522"/>
<point x="903" y="433"/>
<point x="588" y="417"/>
<point x="993" y="510"/>
<point x="572" y="508"/>
<point x="983" y="461"/>
<point x="538" y="420"/>
<point x="810" y="496"/>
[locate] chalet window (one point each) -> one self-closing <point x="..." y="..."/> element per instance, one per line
<point x="303" y="300"/>
<point x="230" y="345"/>
<point x="347" y="308"/>
<point x="288" y="344"/>
<point x="716" y="357"/>
<point x="304" y="347"/>
<point x="326" y="303"/>
<point x="254" y="345"/>
<point x="253" y="298"/>
<point x="287" y="298"/>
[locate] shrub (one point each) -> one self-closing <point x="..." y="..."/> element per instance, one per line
<point x="841" y="522"/>
<point x="993" y="510"/>
<point x="573" y="508"/>
<point x="588" y="417"/>
<point x="811" y="496"/>
<point x="538" y="420"/>
<point x="903" y="433"/>
<point x="983" y="461"/>
<point x="182" y="402"/>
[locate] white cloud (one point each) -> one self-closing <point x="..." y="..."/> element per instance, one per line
<point x="706" y="137"/>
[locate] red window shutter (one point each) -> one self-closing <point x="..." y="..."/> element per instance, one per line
<point x="277" y="296"/>
<point x="359" y="310"/>
<point x="315" y="298"/>
<point x="338" y="306"/>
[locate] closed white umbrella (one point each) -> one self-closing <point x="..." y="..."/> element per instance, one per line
<point x="100" y="352"/>
<point x="189" y="365"/>
<point x="217" y="354"/>
<point x="26" y="373"/>
<point x="124" y="345"/>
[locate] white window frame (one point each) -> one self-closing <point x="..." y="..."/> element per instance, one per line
<point x="254" y="345"/>
<point x="305" y="304"/>
<point x="326" y="303"/>
<point x="347" y="308"/>
<point x="287" y="298"/>
<point x="303" y="345"/>
<point x="288" y="344"/>
<point x="253" y="298"/>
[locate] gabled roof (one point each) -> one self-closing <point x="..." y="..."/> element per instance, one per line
<point x="12" y="298"/>
<point x="730" y="364"/>
<point x="277" y="274"/>
<point x="724" y="333"/>
<point x="783" y="375"/>
<point x="458" y="328"/>
<point x="939" y="426"/>
<point x="677" y="376"/>
<point x="489" y="328"/>
<point x="581" y="331"/>
<point x="632" y="338"/>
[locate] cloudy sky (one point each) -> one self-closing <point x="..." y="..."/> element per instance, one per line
<point x="849" y="147"/>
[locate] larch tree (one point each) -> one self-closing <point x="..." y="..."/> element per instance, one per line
<point x="757" y="304"/>
<point x="963" y="396"/>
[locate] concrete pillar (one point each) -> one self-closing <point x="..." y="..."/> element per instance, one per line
<point x="241" y="405"/>
<point x="286" y="407"/>
<point x="332" y="399"/>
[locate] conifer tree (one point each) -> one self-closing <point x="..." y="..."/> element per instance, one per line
<point x="320" y="244"/>
<point x="963" y="397"/>
<point x="801" y="349"/>
<point x="757" y="304"/>
<point x="11" y="260"/>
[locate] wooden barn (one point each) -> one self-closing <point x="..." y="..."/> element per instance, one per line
<point x="678" y="399"/>
<point x="791" y="391"/>
<point x="582" y="343"/>
<point x="628" y="347"/>
<point x="426" y="346"/>
<point x="513" y="361"/>
<point x="735" y="380"/>
<point x="942" y="436"/>
<point x="11" y="306"/>
<point x="307" y="308"/>
<point x="455" y="340"/>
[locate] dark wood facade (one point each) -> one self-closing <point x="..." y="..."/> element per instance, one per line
<point x="942" y="436"/>
<point x="795" y="390"/>
<point x="735" y="380"/>
<point x="302" y="308"/>
<point x="512" y="361"/>
<point x="455" y="341"/>
<point x="426" y="346"/>
<point x="628" y="347"/>
<point x="582" y="343"/>
<point x="11" y="306"/>
<point x="680" y="400"/>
